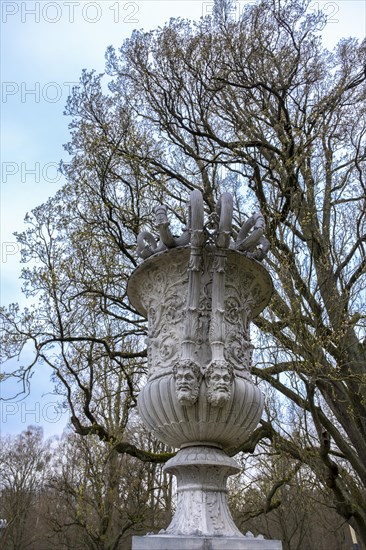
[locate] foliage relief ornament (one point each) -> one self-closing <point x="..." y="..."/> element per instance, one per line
<point x="224" y="311"/>
<point x="199" y="292"/>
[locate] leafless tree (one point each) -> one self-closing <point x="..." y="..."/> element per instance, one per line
<point x="256" y="107"/>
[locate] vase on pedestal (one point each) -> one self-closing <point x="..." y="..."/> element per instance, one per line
<point x="199" y="293"/>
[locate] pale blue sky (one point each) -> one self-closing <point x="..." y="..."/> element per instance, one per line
<point x="44" y="47"/>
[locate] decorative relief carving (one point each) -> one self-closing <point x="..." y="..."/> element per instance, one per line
<point x="188" y="376"/>
<point x="239" y="352"/>
<point x="221" y="336"/>
<point x="214" y="507"/>
<point x="199" y="301"/>
<point x="219" y="378"/>
<point x="202" y="507"/>
<point x="187" y="372"/>
<point x="232" y="310"/>
<point x="164" y="296"/>
<point x="251" y="240"/>
<point x="175" y="424"/>
<point x="173" y="307"/>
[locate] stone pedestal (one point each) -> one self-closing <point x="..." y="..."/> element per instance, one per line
<point x="202" y="508"/>
<point x="167" y="542"/>
<point x="202" y="519"/>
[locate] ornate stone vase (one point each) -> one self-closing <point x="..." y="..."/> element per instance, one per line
<point x="199" y="293"/>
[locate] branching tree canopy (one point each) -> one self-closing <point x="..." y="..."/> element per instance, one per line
<point x="257" y="107"/>
<point x="24" y="467"/>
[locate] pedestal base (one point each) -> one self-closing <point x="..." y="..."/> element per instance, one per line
<point x="166" y="542"/>
<point x="202" y="520"/>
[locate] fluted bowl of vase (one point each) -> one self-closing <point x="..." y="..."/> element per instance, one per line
<point x="199" y="306"/>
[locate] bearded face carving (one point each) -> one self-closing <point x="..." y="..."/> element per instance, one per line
<point x="219" y="378"/>
<point x="187" y="375"/>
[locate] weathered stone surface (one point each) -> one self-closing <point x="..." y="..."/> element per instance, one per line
<point x="202" y="508"/>
<point x="199" y="293"/>
<point x="164" y="542"/>
<point x="182" y="411"/>
<point x="176" y="424"/>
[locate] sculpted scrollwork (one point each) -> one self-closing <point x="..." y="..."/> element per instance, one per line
<point x="250" y="239"/>
<point x="165" y="310"/>
<point x="202" y="332"/>
<point x="239" y="351"/>
<point x="214" y="506"/>
<point x="232" y="310"/>
<point x="147" y="245"/>
<point x="200" y="291"/>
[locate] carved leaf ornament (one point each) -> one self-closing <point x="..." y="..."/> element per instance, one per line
<point x="199" y="292"/>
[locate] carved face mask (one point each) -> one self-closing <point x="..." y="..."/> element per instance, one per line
<point x="187" y="383"/>
<point x="219" y="379"/>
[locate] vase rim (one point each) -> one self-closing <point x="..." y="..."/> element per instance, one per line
<point x="247" y="264"/>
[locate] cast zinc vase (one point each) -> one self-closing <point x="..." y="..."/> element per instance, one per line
<point x="199" y="293"/>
